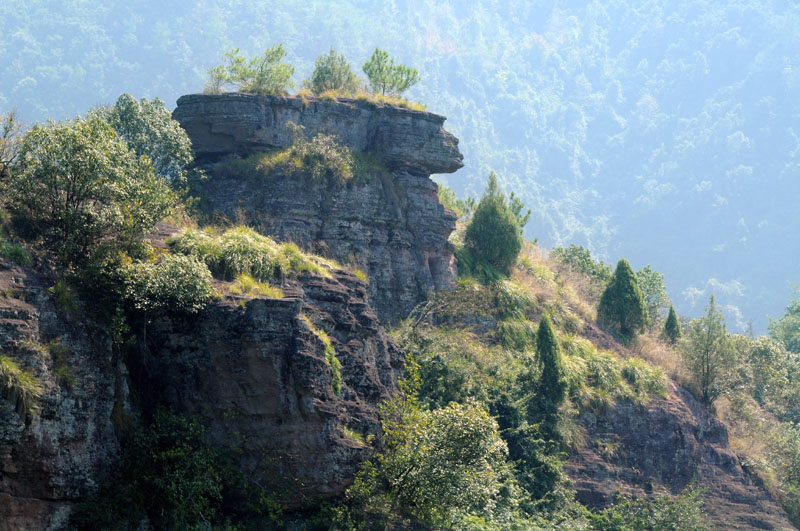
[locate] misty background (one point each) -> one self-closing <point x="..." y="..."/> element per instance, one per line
<point x="663" y="132"/>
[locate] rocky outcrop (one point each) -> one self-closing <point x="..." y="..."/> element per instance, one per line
<point x="665" y="445"/>
<point x="255" y="371"/>
<point x="57" y="455"/>
<point x="393" y="226"/>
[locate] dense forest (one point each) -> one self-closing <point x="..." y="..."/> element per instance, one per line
<point x="660" y="132"/>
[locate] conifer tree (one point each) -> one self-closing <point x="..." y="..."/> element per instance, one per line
<point x="493" y="235"/>
<point x="622" y="307"/>
<point x="552" y="385"/>
<point x="672" y="328"/>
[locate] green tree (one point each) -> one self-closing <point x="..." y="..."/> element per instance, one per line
<point x="332" y="72"/>
<point x="493" y="235"/>
<point x="622" y="307"/>
<point x="672" y="327"/>
<point x="651" y="282"/>
<point x="787" y="328"/>
<point x="79" y="188"/>
<point x="552" y="386"/>
<point x="265" y="74"/>
<point x="438" y="466"/>
<point x="708" y="353"/>
<point x="387" y="78"/>
<point x="148" y="128"/>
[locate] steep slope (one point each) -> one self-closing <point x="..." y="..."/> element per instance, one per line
<point x="389" y="223"/>
<point x="58" y="454"/>
<point x="255" y="371"/>
<point x="670" y="442"/>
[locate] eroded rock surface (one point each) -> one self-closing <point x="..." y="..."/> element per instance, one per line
<point x="666" y="444"/>
<point x="255" y="372"/>
<point x="392" y="226"/>
<point x="58" y="455"/>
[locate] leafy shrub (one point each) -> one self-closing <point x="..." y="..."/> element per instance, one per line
<point x="265" y="74"/>
<point x="494" y="235"/>
<point x="332" y="72"/>
<point x="15" y="253"/>
<point x="176" y="283"/>
<point x="242" y="250"/>
<point x="322" y="159"/>
<point x="18" y="386"/>
<point x="683" y="512"/>
<point x="580" y="259"/>
<point x="440" y="466"/>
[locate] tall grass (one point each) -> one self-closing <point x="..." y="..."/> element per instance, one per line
<point x="330" y="354"/>
<point x="242" y="250"/>
<point x="19" y="387"/>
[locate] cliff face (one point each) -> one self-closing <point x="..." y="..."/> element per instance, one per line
<point x="51" y="458"/>
<point x="667" y="444"/>
<point x="255" y="372"/>
<point x="393" y="227"/>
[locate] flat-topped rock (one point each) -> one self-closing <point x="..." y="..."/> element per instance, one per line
<point x="235" y="123"/>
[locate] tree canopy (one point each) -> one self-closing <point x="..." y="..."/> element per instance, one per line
<point x="79" y="187"/>
<point x="148" y="129"/>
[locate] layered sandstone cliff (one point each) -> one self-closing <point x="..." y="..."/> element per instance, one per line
<point x="392" y="226"/>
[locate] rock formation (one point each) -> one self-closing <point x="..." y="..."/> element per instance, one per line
<point x="254" y="371"/>
<point x="393" y="227"/>
<point x="667" y="444"/>
<point x="62" y="452"/>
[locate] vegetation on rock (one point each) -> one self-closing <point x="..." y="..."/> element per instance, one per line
<point x="19" y="386"/>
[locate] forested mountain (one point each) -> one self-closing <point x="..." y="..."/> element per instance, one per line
<point x="664" y="132"/>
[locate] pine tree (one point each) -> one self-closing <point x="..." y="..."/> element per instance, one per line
<point x="550" y="390"/>
<point x="672" y="328"/>
<point x="622" y="307"/>
<point x="493" y="235"/>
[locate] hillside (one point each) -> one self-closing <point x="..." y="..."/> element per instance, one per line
<point x="650" y="130"/>
<point x="292" y="346"/>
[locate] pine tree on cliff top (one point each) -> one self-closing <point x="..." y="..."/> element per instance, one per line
<point x="622" y="307"/>
<point x="672" y="328"/>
